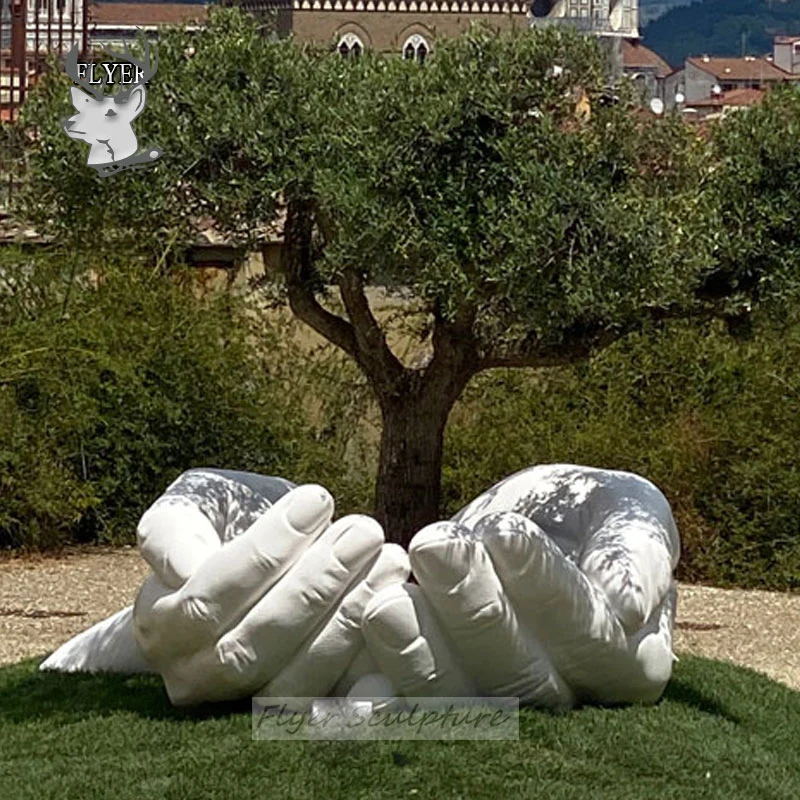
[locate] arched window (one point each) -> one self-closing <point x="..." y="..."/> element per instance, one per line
<point x="350" y="46"/>
<point x="416" y="49"/>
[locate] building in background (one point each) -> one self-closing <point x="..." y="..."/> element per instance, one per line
<point x="31" y="30"/>
<point x="48" y="24"/>
<point x="786" y="54"/>
<point x="706" y="76"/>
<point x="405" y="27"/>
<point x="645" y="68"/>
<point x="717" y="106"/>
<point x="606" y="18"/>
<point x="410" y="28"/>
<point x="115" y="23"/>
<point x="708" y="86"/>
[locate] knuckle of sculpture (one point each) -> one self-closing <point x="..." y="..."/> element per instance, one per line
<point x="143" y="529"/>
<point x="265" y="562"/>
<point x="349" y="615"/>
<point x="236" y="659"/>
<point x="315" y="597"/>
<point x="350" y="623"/>
<point x="489" y="615"/>
<point x="197" y="610"/>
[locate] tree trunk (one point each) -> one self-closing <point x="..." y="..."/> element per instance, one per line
<point x="408" y="489"/>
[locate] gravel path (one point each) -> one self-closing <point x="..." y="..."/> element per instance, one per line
<point x="45" y="600"/>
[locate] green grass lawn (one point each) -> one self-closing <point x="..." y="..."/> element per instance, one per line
<point x="720" y="731"/>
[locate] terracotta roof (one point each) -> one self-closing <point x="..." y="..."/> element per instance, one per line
<point x="736" y="97"/>
<point x="740" y="69"/>
<point x="146" y="13"/>
<point x="637" y="56"/>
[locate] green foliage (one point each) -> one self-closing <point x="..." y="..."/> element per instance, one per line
<point x="721" y="28"/>
<point x="756" y="189"/>
<point x="111" y="384"/>
<point x="469" y="181"/>
<point x="716" y="431"/>
<point x="519" y="233"/>
<point x="102" y="406"/>
<point x="720" y="733"/>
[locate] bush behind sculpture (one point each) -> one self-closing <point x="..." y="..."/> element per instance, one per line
<point x="104" y="399"/>
<point x="711" y="420"/>
<point x="110" y="389"/>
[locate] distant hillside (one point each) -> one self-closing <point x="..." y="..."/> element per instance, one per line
<point x="721" y="28"/>
<point x="653" y="9"/>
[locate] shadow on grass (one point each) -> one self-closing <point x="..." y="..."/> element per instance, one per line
<point x="27" y="694"/>
<point x="684" y="693"/>
<point x="710" y="688"/>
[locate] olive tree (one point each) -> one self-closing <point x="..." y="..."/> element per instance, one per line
<point x="498" y="188"/>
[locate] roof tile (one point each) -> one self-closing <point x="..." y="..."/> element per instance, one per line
<point x="636" y="55"/>
<point x="740" y="69"/>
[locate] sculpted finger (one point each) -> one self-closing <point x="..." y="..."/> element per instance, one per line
<point x="201" y="509"/>
<point x="567" y="613"/>
<point x="150" y="629"/>
<point x="253" y="652"/>
<point x="652" y="655"/>
<point x="224" y="587"/>
<point x="500" y="654"/>
<point x="409" y="647"/>
<point x="174" y="538"/>
<point x="324" y="658"/>
<point x="628" y="560"/>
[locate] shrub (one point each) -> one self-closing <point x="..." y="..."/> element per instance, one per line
<point x="111" y="384"/>
<point x="711" y="420"/>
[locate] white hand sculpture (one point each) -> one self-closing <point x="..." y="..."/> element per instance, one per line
<point x="555" y="586"/>
<point x="252" y="591"/>
<point x="275" y="610"/>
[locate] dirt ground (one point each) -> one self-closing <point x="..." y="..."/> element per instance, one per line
<point x="46" y="600"/>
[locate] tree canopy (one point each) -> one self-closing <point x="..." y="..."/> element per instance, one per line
<point x="527" y="231"/>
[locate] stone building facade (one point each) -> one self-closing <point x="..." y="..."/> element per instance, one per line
<point x="411" y="27"/>
<point x="405" y="27"/>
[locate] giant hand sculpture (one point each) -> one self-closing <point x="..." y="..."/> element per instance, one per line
<point x="246" y="596"/>
<point x="555" y="586"/>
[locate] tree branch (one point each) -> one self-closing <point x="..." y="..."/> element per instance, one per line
<point x="296" y="267"/>
<point x="533" y="353"/>
<point x="455" y="353"/>
<point x="383" y="367"/>
<point x="581" y="342"/>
